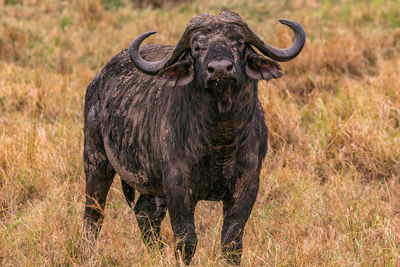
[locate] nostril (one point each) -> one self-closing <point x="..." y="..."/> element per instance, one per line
<point x="220" y="67"/>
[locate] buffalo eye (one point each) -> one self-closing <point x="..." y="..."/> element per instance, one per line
<point x="196" y="51"/>
<point x="198" y="46"/>
<point x="239" y="43"/>
<point x="236" y="40"/>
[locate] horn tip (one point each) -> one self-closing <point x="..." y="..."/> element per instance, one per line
<point x="150" y="33"/>
<point x="287" y="21"/>
<point x="294" y="25"/>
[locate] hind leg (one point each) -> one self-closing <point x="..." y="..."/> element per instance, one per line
<point x="99" y="177"/>
<point x="129" y="193"/>
<point x="150" y="211"/>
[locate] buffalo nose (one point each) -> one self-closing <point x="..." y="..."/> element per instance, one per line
<point x="219" y="66"/>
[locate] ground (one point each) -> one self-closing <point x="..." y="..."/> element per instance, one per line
<point x="330" y="192"/>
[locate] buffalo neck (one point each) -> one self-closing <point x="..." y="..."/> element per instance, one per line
<point x="226" y="130"/>
<point x="197" y="128"/>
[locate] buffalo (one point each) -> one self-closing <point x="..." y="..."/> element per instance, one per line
<point x="181" y="124"/>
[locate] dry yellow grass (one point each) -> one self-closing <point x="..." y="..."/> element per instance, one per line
<point x="330" y="192"/>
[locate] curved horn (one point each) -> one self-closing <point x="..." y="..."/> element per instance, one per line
<point x="277" y="53"/>
<point x="152" y="68"/>
<point x="147" y="67"/>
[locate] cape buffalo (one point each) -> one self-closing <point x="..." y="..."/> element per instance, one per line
<point x="181" y="124"/>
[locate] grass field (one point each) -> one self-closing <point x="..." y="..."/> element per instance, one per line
<point x="330" y="191"/>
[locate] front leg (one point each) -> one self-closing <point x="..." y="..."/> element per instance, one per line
<point x="237" y="208"/>
<point x="181" y="208"/>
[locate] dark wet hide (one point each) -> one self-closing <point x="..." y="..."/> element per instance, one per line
<point x="220" y="85"/>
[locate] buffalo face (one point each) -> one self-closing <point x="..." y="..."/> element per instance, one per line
<point x="216" y="52"/>
<point x="218" y="55"/>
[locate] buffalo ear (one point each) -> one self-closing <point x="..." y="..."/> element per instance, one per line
<point x="260" y="68"/>
<point x="179" y="74"/>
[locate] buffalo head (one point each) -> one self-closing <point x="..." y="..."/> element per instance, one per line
<point x="216" y="53"/>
